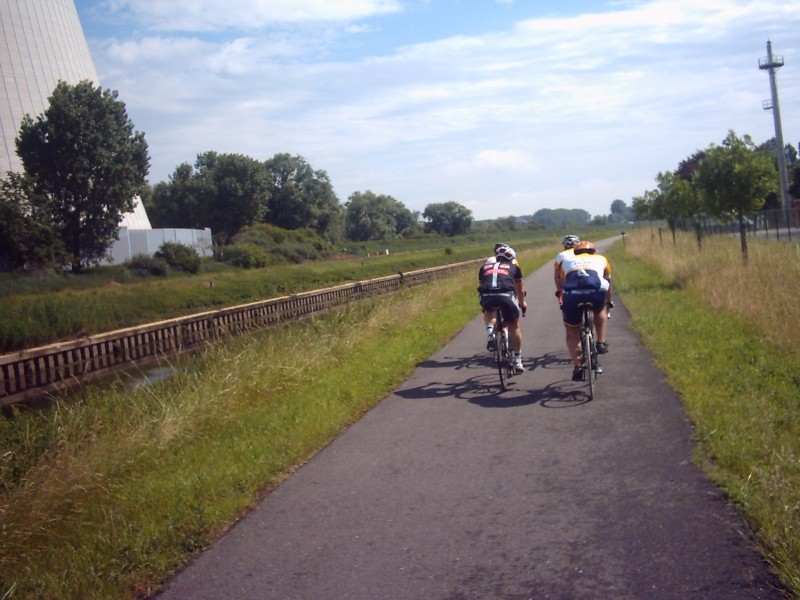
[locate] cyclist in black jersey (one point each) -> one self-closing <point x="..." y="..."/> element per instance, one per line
<point x="501" y="288"/>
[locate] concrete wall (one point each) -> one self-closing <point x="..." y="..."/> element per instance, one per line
<point x="148" y="241"/>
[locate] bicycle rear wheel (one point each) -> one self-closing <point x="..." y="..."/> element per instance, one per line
<point x="501" y="356"/>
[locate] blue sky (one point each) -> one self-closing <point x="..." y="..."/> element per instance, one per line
<point x="504" y="106"/>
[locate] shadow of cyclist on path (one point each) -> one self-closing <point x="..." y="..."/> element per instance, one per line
<point x="482" y="390"/>
<point x="476" y="361"/>
<point x="480" y="385"/>
<point x="552" y="360"/>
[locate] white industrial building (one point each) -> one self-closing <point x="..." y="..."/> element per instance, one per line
<point x="43" y="43"/>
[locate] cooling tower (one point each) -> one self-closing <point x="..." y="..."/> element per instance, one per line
<point x="42" y="44"/>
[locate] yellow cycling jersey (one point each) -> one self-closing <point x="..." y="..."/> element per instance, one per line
<point x="578" y="266"/>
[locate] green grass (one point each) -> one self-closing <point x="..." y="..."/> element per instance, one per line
<point x="160" y="473"/>
<point x="106" y="494"/>
<point x="740" y="392"/>
<point x="42" y="312"/>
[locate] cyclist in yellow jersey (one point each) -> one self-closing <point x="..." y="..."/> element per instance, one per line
<point x="586" y="276"/>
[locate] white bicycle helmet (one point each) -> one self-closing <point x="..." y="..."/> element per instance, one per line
<point x="570" y="241"/>
<point x="505" y="252"/>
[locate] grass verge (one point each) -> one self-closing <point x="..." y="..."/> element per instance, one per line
<point x="57" y="310"/>
<point x="105" y="496"/>
<point x="733" y="358"/>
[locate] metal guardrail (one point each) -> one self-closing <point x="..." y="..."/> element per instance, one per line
<point x="36" y="371"/>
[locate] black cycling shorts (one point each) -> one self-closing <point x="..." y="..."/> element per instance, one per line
<point x="505" y="302"/>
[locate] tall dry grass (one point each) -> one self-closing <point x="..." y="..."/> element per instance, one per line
<point x="764" y="290"/>
<point x="722" y="332"/>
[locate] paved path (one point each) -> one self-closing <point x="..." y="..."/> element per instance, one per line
<point x="449" y="490"/>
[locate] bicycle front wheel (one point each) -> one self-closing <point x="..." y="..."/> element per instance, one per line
<point x="587" y="344"/>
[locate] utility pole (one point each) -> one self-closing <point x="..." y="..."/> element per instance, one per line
<point x="772" y="63"/>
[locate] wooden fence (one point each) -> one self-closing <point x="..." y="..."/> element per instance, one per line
<point x="35" y="371"/>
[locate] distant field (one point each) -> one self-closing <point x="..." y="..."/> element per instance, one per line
<point x="41" y="311"/>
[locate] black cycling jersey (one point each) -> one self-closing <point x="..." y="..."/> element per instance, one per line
<point x="498" y="277"/>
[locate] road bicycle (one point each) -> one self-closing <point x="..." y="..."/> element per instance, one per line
<point x="590" y="365"/>
<point x="503" y="355"/>
<point x="502" y="349"/>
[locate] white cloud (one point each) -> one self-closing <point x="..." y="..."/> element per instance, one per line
<point x="215" y="15"/>
<point x="514" y="160"/>
<point x="574" y="111"/>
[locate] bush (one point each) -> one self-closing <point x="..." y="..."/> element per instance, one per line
<point x="179" y="256"/>
<point x="284" y="245"/>
<point x="294" y="253"/>
<point x="142" y="264"/>
<point x="247" y="256"/>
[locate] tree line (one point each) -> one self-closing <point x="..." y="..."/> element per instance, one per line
<point x="234" y="191"/>
<point x="577" y="217"/>
<point x="726" y="182"/>
<point x="84" y="164"/>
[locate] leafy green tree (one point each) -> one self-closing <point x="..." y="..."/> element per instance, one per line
<point x="676" y="199"/>
<point x="175" y="203"/>
<point x="773" y="200"/>
<point x="735" y="179"/>
<point x="223" y="191"/>
<point x="232" y="191"/>
<point x="407" y="222"/>
<point x="533" y="226"/>
<point x="28" y="236"/>
<point x="794" y="180"/>
<point x="504" y="224"/>
<point x="447" y="218"/>
<point x="301" y="197"/>
<point x="642" y="206"/>
<point x="620" y="212"/>
<point x="561" y="217"/>
<point x="84" y="157"/>
<point x="688" y="166"/>
<point x="376" y="217"/>
<point x="791" y="155"/>
<point x="789" y="151"/>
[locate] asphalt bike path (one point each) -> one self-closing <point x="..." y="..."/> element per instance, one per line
<point x="450" y="489"/>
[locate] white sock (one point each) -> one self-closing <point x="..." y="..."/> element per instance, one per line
<point x="489" y="330"/>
